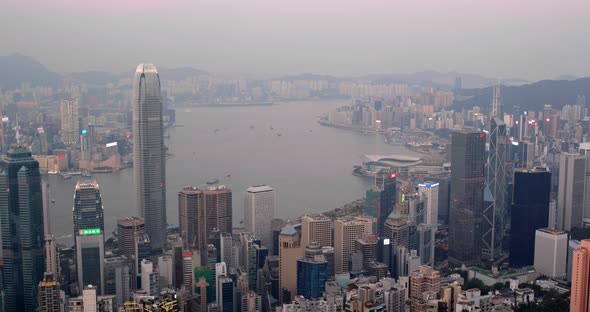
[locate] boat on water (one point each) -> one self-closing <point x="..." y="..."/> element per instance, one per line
<point x="65" y="175"/>
<point x="53" y="200"/>
<point x="75" y="173"/>
<point x="86" y="174"/>
<point x="212" y="181"/>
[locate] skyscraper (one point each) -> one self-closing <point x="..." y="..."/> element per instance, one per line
<point x="90" y="258"/>
<point x="89" y="232"/>
<point x="396" y="234"/>
<point x="289" y="250"/>
<point x="259" y="211"/>
<point x="316" y="228"/>
<point x="312" y="274"/>
<point x="346" y="231"/>
<point x="467" y="185"/>
<point x="530" y="212"/>
<point x="581" y="278"/>
<point x="200" y="212"/>
<point x="570" y="194"/>
<point x="149" y="153"/>
<point x="22" y="239"/>
<point x="493" y="211"/>
<point x="381" y="198"/>
<point x="429" y="189"/>
<point x="70" y="121"/>
<point x="129" y="231"/>
<point x="117" y="278"/>
<point x="551" y="253"/>
<point x="88" y="210"/>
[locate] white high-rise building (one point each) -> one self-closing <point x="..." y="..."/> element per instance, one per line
<point x="149" y="153"/>
<point x="570" y="195"/>
<point x="259" y="211"/>
<point x="166" y="271"/>
<point x="220" y="272"/>
<point x="551" y="253"/>
<point x="430" y="190"/>
<point x="70" y="121"/>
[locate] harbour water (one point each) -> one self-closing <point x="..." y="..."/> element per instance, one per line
<point x="308" y="165"/>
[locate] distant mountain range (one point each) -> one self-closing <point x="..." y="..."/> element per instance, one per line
<point x="442" y="80"/>
<point x="16" y="69"/>
<point x="530" y="96"/>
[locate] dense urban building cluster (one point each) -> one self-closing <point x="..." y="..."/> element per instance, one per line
<point x="493" y="219"/>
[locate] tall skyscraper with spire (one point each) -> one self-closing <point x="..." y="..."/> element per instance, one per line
<point x="22" y="234"/>
<point x="495" y="191"/>
<point x="149" y="153"/>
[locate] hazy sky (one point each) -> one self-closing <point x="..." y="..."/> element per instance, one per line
<point x="531" y="39"/>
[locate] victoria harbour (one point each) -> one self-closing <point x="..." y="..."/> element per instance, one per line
<point x="308" y="165"/>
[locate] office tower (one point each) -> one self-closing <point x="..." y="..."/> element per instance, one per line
<point x="530" y="212"/>
<point x="50" y="296"/>
<point x="381" y="198"/>
<point x="429" y="190"/>
<point x="149" y="278"/>
<point x="187" y="270"/>
<point x="117" y="278"/>
<point x="316" y="228"/>
<point x="396" y="233"/>
<point x="225" y="286"/>
<point x="226" y="249"/>
<point x="131" y="232"/>
<point x="367" y="246"/>
<point x="346" y="231"/>
<point x="551" y="253"/>
<point x="423" y="280"/>
<point x="426" y="243"/>
<point x="570" y="197"/>
<point x="88" y="210"/>
<point x="149" y="153"/>
<point x="220" y="271"/>
<point x="90" y="258"/>
<point x="581" y="278"/>
<point x="70" y="121"/>
<point x="312" y="274"/>
<point x="51" y="251"/>
<point x="88" y="216"/>
<point x="289" y="250"/>
<point x="495" y="192"/>
<point x="585" y="151"/>
<point x="276" y="227"/>
<point x="178" y="266"/>
<point x="166" y="271"/>
<point x="22" y="239"/>
<point x="467" y="185"/>
<point x="251" y="257"/>
<point x="259" y="209"/>
<point x="200" y="212"/>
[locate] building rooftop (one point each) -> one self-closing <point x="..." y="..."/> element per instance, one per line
<point x="259" y="189"/>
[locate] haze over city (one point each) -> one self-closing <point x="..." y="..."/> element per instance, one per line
<point x="294" y="156"/>
<point x="527" y="39"/>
